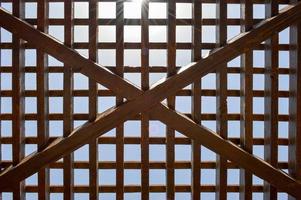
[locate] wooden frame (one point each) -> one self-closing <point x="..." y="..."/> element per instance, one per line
<point x="147" y="103"/>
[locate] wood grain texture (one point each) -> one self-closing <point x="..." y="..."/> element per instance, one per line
<point x="221" y="100"/>
<point x="2" y="167"/>
<point x="68" y="172"/>
<point x="158" y="93"/>
<point x="42" y="102"/>
<point x="171" y="100"/>
<point x="144" y="86"/>
<point x="246" y="107"/>
<point x="18" y="100"/>
<point x="119" y="99"/>
<point x="271" y="100"/>
<point x="294" y="130"/>
<point x="93" y="109"/>
<point x="196" y="101"/>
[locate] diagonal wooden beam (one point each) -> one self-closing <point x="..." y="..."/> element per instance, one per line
<point x="150" y="98"/>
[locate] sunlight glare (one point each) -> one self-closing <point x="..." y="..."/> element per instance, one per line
<point x="138" y="1"/>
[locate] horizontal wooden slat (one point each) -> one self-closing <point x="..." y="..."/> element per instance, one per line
<point x="137" y="188"/>
<point x="152" y="140"/>
<point x="179" y="1"/>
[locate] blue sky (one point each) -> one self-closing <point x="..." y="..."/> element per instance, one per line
<point x="132" y="128"/>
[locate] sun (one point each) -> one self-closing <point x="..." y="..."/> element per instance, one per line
<point x="138" y="1"/>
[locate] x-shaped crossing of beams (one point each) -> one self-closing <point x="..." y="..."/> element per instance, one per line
<point x="149" y="101"/>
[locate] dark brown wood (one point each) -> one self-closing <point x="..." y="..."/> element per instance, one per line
<point x="152" y="140"/>
<point x="93" y="145"/>
<point x="246" y="107"/>
<point x="171" y="70"/>
<point x="152" y="165"/>
<point x="119" y="99"/>
<point x="196" y="101"/>
<point x="2" y="167"/>
<point x="180" y="1"/>
<point x="294" y="103"/>
<point x="174" y="88"/>
<point x="144" y="86"/>
<point x="275" y="24"/>
<point x="221" y="100"/>
<point x="68" y="104"/>
<point x="194" y="131"/>
<point x="42" y="102"/>
<point x="110" y="93"/>
<point x="271" y="101"/>
<point x="18" y="100"/>
<point x="137" y="188"/>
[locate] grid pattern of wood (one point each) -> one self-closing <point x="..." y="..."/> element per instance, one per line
<point x="252" y="100"/>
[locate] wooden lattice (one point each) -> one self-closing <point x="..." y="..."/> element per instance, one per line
<point x="61" y="108"/>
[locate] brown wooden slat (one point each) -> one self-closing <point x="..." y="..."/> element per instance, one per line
<point x="68" y="103"/>
<point x="152" y="45"/>
<point x="144" y="86"/>
<point x="93" y="146"/>
<point x="271" y="101"/>
<point x="246" y="99"/>
<point x="152" y="165"/>
<point x="221" y="100"/>
<point x="154" y="69"/>
<point x="119" y="99"/>
<point x="1" y="162"/>
<point x="153" y="21"/>
<point x="169" y="80"/>
<point x="137" y="188"/>
<point x="18" y="100"/>
<point x="181" y="1"/>
<point x="171" y="65"/>
<point x="152" y="140"/>
<point x="294" y="131"/>
<point x="196" y="100"/>
<point x="107" y="93"/>
<point x="205" y="116"/>
<point x="42" y="102"/>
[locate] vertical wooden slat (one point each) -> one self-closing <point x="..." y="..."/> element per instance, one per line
<point x="196" y="100"/>
<point x="0" y="113"/>
<point x="68" y="103"/>
<point x="171" y="66"/>
<point x="295" y="102"/>
<point x="271" y="101"/>
<point x="42" y="101"/>
<point x="221" y="100"/>
<point x="119" y="100"/>
<point x="246" y="83"/>
<point x="93" y="146"/>
<point x="18" y="99"/>
<point x="145" y="86"/>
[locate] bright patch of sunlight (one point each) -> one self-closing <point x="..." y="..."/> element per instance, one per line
<point x="138" y="1"/>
